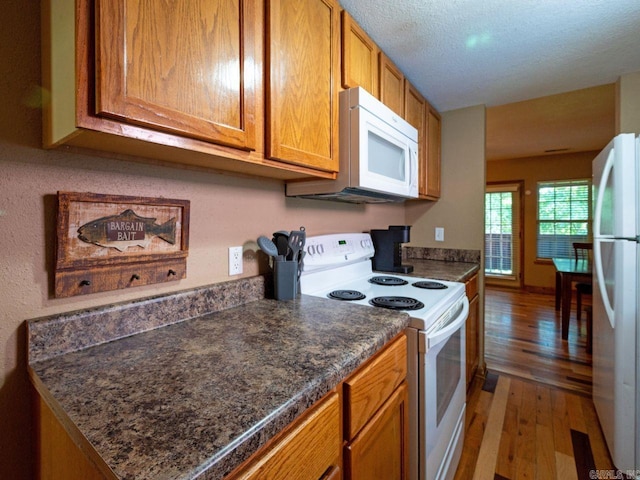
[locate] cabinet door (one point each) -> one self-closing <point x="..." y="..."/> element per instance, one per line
<point x="60" y="456"/>
<point x="181" y="67"/>
<point x="415" y="112"/>
<point x="380" y="449"/>
<point x="391" y="85"/>
<point x="433" y="154"/>
<point x="359" y="57"/>
<point x="302" y="96"/>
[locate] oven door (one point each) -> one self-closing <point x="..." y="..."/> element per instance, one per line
<point x="442" y="396"/>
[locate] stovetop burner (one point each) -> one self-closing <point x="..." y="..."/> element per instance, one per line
<point x="348" y="295"/>
<point x="387" y="280"/>
<point x="430" y="285"/>
<point x="397" y="303"/>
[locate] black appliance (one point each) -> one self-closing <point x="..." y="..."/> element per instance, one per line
<point x="388" y="248"/>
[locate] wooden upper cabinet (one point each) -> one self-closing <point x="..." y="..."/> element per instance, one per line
<point x="302" y="65"/>
<point x="433" y="154"/>
<point x="359" y="57"/>
<point x="426" y="120"/>
<point x="415" y="112"/>
<point x="183" y="83"/>
<point x="391" y="85"/>
<point x="180" y="67"/>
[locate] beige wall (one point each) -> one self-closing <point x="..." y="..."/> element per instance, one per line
<point x="460" y="211"/>
<point x="628" y="103"/>
<point x="531" y="171"/>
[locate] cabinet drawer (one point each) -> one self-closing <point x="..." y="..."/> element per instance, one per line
<point x="472" y="287"/>
<point x="371" y="386"/>
<point x="310" y="450"/>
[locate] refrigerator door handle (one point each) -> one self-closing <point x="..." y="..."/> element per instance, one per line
<point x="597" y="263"/>
<point x="606" y="171"/>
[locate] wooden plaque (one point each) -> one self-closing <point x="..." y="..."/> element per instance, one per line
<point x="109" y="242"/>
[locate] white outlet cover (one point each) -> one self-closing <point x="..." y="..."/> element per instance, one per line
<point x="235" y="260"/>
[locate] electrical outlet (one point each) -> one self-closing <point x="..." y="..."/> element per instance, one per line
<point x="235" y="260"/>
<point x="439" y="234"/>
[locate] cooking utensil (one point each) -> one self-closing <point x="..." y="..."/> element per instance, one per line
<point x="300" y="263"/>
<point x="267" y="246"/>
<point x="297" y="239"/>
<point x="281" y="239"/>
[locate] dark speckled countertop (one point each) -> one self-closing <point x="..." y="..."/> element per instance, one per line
<point x="195" y="398"/>
<point x="190" y="384"/>
<point x="443" y="270"/>
<point x="442" y="264"/>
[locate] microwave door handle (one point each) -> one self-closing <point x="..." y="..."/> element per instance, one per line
<point x="413" y="156"/>
<point x="445" y="332"/>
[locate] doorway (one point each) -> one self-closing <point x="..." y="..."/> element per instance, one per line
<point x="503" y="234"/>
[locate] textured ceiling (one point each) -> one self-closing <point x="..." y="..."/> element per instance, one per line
<point x="545" y="69"/>
<point x="461" y="53"/>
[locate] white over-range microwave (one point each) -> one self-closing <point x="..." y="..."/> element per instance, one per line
<point x="378" y="155"/>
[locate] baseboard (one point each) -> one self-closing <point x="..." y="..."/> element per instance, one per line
<point x="526" y="288"/>
<point x="538" y="289"/>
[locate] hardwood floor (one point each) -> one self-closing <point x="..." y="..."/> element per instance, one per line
<point x="522" y="338"/>
<point x="532" y="416"/>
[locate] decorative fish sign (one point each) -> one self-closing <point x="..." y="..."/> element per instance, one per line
<point x="126" y="230"/>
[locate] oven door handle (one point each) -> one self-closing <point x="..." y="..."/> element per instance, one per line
<point x="447" y="330"/>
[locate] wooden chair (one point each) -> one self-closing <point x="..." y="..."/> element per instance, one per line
<point x="582" y="251"/>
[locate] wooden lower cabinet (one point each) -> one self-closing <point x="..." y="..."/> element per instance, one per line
<point x="60" y="457"/>
<point x="311" y="450"/>
<point x="380" y="449"/>
<point x="472" y="337"/>
<point x="376" y="417"/>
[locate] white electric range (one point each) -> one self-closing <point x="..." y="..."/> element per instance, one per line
<point x="338" y="267"/>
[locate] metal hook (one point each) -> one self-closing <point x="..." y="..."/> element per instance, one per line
<point x="171" y="272"/>
<point x="85" y="283"/>
<point x="135" y="276"/>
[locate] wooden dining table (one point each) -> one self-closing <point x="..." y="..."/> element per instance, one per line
<point x="568" y="271"/>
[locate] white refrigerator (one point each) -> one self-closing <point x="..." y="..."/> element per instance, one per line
<point x="616" y="257"/>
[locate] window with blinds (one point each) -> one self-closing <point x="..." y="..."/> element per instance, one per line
<point x="564" y="217"/>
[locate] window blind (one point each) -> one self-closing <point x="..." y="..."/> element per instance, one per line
<point x="564" y="216"/>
